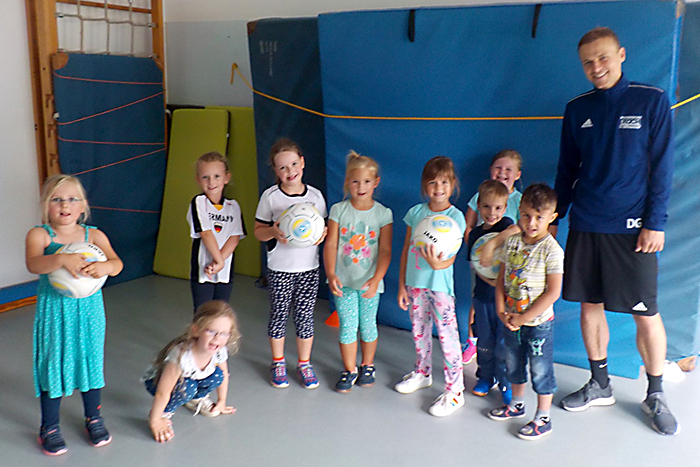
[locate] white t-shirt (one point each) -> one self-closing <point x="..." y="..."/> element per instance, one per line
<point x="187" y="364"/>
<point x="224" y="221"/>
<point x="283" y="257"/>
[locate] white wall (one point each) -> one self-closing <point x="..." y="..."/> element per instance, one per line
<point x="224" y="10"/>
<point x="19" y="189"/>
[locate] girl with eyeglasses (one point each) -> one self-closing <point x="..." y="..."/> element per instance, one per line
<point x="69" y="333"/>
<point x="191" y="366"/>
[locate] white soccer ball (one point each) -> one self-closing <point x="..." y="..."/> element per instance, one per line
<point x="302" y="224"/>
<point x="82" y="286"/>
<point x="442" y="232"/>
<point x="490" y="272"/>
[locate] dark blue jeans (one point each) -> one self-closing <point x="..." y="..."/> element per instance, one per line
<point x="536" y="345"/>
<point x="189" y="389"/>
<point x="490" y="349"/>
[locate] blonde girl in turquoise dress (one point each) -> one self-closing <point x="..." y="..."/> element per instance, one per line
<point x="69" y="333"/>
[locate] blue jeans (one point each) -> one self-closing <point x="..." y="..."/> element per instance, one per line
<point x="490" y="349"/>
<point x="536" y="344"/>
<point x="189" y="389"/>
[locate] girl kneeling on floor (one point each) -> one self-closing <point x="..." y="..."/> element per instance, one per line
<point x="191" y="366"/>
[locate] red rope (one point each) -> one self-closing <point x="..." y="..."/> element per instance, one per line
<point x="108" y="142"/>
<point x="111" y="110"/>
<point x="124" y="209"/>
<point x="119" y="162"/>
<point x="108" y="81"/>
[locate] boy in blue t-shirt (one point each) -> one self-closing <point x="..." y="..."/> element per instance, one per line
<point x="490" y="356"/>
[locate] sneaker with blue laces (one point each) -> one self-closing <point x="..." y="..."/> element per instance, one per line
<point x="662" y="420"/>
<point x="346" y="381"/>
<point x="468" y="352"/>
<point x="536" y="429"/>
<point x="506" y="413"/>
<point x="482" y="387"/>
<point x="367" y="376"/>
<point x="97" y="432"/>
<point x="51" y="441"/>
<point x="278" y="375"/>
<point x="307" y="376"/>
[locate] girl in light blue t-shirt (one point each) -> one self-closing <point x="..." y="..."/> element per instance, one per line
<point x="426" y="290"/>
<point x="357" y="255"/>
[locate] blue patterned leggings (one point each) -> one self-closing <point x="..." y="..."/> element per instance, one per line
<point x="355" y="312"/>
<point x="189" y="389"/>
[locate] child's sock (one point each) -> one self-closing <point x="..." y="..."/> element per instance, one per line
<point x="278" y="360"/>
<point x="599" y="370"/>
<point x="541" y="417"/>
<point x="517" y="403"/>
<point x="655" y="384"/>
<point x="302" y="362"/>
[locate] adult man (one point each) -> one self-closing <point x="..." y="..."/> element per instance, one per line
<point x="615" y="170"/>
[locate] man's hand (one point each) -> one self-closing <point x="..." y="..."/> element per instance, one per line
<point x="650" y="241"/>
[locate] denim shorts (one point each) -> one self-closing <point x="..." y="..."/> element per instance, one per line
<point x="536" y="344"/>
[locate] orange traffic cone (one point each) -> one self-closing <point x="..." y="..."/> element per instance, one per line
<point x="332" y="320"/>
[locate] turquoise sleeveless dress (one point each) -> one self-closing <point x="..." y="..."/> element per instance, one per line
<point x="69" y="337"/>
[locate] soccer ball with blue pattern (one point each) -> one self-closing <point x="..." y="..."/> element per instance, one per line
<point x="302" y="225"/>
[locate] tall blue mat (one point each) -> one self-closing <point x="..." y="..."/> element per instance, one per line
<point x="285" y="62"/>
<point x="111" y="129"/>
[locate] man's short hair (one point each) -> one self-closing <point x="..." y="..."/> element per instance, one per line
<point x="540" y="196"/>
<point x="492" y="189"/>
<point x="598" y="33"/>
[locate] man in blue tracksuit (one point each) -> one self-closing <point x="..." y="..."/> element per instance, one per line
<point x="614" y="178"/>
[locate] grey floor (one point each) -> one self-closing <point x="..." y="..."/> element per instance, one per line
<point x="297" y="427"/>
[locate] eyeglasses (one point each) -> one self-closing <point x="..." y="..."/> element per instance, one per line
<point x="65" y="200"/>
<point x="215" y="335"/>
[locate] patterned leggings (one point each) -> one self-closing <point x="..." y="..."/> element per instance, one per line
<point x="295" y="290"/>
<point x="189" y="389"/>
<point x="426" y="304"/>
<point x="355" y="312"/>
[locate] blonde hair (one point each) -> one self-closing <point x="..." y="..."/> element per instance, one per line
<point x="511" y="154"/>
<point x="439" y="166"/>
<point x="213" y="157"/>
<point x="205" y="315"/>
<point x="283" y="145"/>
<point x="51" y="185"/>
<point x="492" y="189"/>
<point x="357" y="161"/>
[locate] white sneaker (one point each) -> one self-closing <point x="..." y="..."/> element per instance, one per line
<point x="412" y="382"/>
<point x="205" y="406"/>
<point x="446" y="404"/>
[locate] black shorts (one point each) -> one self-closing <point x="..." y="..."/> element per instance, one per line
<point x="604" y="268"/>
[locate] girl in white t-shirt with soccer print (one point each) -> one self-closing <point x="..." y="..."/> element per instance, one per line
<point x="293" y="273"/>
<point x="357" y="255"/>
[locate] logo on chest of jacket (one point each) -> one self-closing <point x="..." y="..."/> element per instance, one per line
<point x="630" y="122"/>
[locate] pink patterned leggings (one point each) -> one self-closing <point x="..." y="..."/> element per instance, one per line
<point x="426" y="304"/>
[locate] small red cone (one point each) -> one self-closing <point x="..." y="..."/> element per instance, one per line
<point x="332" y="320"/>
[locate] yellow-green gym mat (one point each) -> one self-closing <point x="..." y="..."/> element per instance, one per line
<point x="243" y="186"/>
<point x="193" y="133"/>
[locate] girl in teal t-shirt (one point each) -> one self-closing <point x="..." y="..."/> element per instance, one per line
<point x="357" y="255"/>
